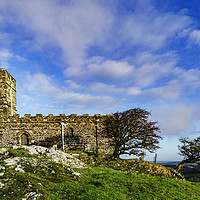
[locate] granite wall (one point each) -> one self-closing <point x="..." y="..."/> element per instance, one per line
<point x="84" y="133"/>
<point x="7" y="94"/>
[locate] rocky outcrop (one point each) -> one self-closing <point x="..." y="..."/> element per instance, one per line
<point x="36" y="160"/>
<point x="55" y="155"/>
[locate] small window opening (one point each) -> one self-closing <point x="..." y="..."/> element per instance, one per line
<point x="71" y="132"/>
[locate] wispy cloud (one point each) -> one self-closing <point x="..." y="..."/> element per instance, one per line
<point x="5" y="54"/>
<point x="6" y="57"/>
<point x="185" y="82"/>
<point x="195" y="37"/>
<point x="113" y="90"/>
<point x="71" y="26"/>
<point x="152" y="29"/>
<point x="40" y="84"/>
<point x="75" y="26"/>
<point x="176" y="119"/>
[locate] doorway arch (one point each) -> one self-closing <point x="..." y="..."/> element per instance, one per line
<point x="24" y="138"/>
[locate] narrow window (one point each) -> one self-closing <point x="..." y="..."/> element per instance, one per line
<point x="71" y="132"/>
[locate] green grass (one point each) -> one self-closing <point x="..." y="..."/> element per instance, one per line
<point x="98" y="183"/>
<point x="20" y="152"/>
<point x="38" y="178"/>
<point x="106" y="179"/>
<point x="102" y="183"/>
<point x="128" y="165"/>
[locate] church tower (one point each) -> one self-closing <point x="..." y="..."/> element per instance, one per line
<point x="7" y="94"/>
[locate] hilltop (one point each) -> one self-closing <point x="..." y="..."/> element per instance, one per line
<point x="34" y="172"/>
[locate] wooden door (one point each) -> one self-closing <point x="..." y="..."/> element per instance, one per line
<point x="24" y="139"/>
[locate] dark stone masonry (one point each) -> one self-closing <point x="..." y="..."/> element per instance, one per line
<point x="67" y="131"/>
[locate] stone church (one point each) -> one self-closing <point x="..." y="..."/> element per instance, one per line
<point x="66" y="131"/>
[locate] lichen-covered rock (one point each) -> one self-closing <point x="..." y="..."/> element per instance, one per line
<point x="54" y="155"/>
<point x="32" y="196"/>
<point x="20" y="162"/>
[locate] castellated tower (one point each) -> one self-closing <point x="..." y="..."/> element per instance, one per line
<point x="7" y="94"/>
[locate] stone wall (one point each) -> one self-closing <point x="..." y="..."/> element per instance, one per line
<point x="80" y="132"/>
<point x="7" y="94"/>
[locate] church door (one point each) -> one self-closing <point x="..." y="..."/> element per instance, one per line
<point x="24" y="139"/>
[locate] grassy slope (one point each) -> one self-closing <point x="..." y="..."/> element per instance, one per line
<point x="102" y="183"/>
<point x="128" y="165"/>
<point x="57" y="182"/>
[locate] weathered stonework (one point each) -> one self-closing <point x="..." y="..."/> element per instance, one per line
<point x="7" y="94"/>
<point x="72" y="131"/>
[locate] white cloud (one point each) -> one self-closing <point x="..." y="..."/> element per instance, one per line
<point x="195" y="37"/>
<point x="102" y="69"/>
<point x="152" y="67"/>
<point x="151" y="28"/>
<point x="113" y="90"/>
<point x="40" y="82"/>
<point x="111" y="69"/>
<point x="103" y="88"/>
<point x="70" y="26"/>
<point x="134" y="91"/>
<point x="146" y="74"/>
<point x="6" y="56"/>
<point x="75" y="26"/>
<point x="191" y="78"/>
<point x="152" y="31"/>
<point x="176" y="119"/>
<point x="73" y="85"/>
<point x="142" y="70"/>
<point x="172" y="90"/>
<point x="185" y="82"/>
<point x="41" y="85"/>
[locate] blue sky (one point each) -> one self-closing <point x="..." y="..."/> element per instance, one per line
<point x="103" y="56"/>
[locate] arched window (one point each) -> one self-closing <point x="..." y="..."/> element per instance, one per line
<point x="71" y="132"/>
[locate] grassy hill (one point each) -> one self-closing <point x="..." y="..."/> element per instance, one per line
<point x="48" y="175"/>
